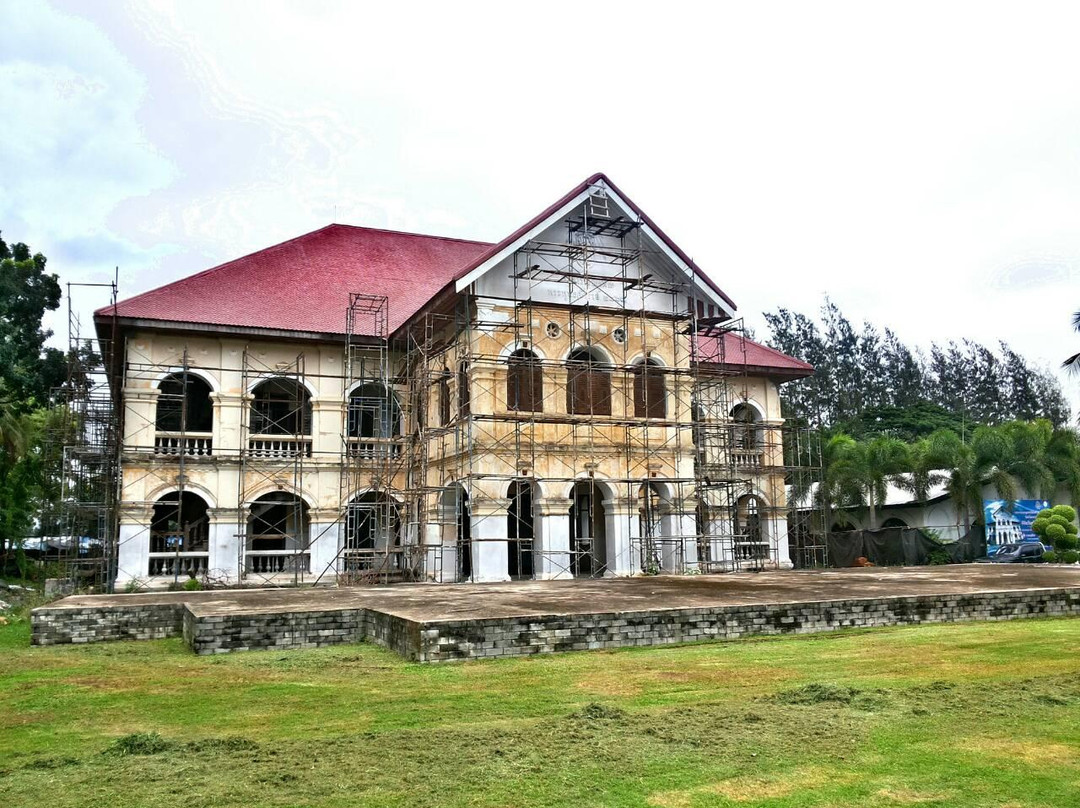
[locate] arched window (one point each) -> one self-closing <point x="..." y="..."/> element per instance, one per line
<point x="375" y="415"/>
<point x="277" y="538"/>
<point x="650" y="390"/>
<point x="524" y="382"/>
<point x="179" y="536"/>
<point x="588" y="384"/>
<point x="280" y="406"/>
<point x="185" y="416"/>
<point x="464" y="396"/>
<point x="372" y="533"/>
<point x="894" y="522"/>
<point x="746" y="428"/>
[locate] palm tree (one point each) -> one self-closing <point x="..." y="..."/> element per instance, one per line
<point x="971" y="466"/>
<point x="1073" y="362"/>
<point x="875" y="464"/>
<point x="838" y="481"/>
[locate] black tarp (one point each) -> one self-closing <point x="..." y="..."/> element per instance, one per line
<point x="899" y="546"/>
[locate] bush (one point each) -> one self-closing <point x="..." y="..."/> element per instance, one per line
<point x="1065" y="512"/>
<point x="938" y="557"/>
<point x="1066" y="542"/>
<point x="1070" y="557"/>
<point x="1055" y="533"/>
<point x="192" y="585"/>
<point x="1050" y="557"/>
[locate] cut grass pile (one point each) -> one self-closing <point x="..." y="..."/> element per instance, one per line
<point x="984" y="714"/>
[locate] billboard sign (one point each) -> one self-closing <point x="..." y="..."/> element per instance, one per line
<point x="1004" y="525"/>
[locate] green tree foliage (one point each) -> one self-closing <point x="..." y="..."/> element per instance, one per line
<point x="1057" y="527"/>
<point x="866" y="375"/>
<point x="28" y="372"/>
<point x="1019" y="455"/>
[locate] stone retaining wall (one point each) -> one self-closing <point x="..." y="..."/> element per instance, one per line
<point x="438" y="641"/>
<point x="103" y="623"/>
<point x="472" y="639"/>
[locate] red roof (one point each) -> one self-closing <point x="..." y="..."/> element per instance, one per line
<point x="303" y="284"/>
<point x="732" y="351"/>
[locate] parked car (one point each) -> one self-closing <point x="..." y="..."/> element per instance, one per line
<point x="1028" y="552"/>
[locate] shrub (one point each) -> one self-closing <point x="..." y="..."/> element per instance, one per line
<point x="1055" y="532"/>
<point x="192" y="585"/>
<point x="1066" y="542"/>
<point x="1070" y="557"/>
<point x="1066" y="512"/>
<point x="938" y="557"/>
<point x="1050" y="557"/>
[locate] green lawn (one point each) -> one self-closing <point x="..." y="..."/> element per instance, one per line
<point x="983" y="714"/>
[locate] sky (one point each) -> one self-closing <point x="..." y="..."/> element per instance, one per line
<point x="917" y="162"/>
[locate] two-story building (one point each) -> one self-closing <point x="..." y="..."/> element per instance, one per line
<point x="357" y="405"/>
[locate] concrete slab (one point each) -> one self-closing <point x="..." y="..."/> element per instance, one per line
<point x="428" y="603"/>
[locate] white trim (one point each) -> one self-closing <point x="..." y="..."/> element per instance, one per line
<point x="285" y="376"/>
<point x="188" y="487"/>
<point x="519" y="242"/>
<point x="215" y="387"/>
<point x="515" y="245"/>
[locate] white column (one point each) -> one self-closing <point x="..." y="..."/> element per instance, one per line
<point x="490" y="553"/>
<point x="133" y="555"/>
<point x="783" y="552"/>
<point x="552" y="541"/>
<point x="620" y="517"/>
<point x="223" y="565"/>
<point x="680" y="542"/>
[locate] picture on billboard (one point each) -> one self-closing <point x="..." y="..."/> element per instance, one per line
<point x="1005" y="526"/>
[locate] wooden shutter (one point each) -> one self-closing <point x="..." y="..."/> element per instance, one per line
<point x="650" y="392"/>
<point x="525" y="384"/>
<point x="444" y="399"/>
<point x="464" y="400"/>
<point x="599" y="391"/>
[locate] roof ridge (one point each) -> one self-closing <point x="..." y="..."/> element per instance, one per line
<point x="404" y="233"/>
<point x="226" y="264"/>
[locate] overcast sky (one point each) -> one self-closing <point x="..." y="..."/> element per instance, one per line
<point x="918" y="162"/>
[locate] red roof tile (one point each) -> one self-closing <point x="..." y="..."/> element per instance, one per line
<point x="734" y="352"/>
<point x="303" y="284"/>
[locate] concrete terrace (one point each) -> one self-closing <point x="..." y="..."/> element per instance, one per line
<point x="436" y="622"/>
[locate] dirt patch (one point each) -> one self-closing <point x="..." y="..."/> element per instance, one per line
<point x="749" y="789"/>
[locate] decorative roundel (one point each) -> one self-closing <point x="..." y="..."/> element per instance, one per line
<point x="553" y="330"/>
<point x="619" y="335"/>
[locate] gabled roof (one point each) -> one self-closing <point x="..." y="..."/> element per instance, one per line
<point x="510" y="243"/>
<point x="303" y="284"/>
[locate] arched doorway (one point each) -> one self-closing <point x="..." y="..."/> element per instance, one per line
<point x="278" y="534"/>
<point x="179" y="536"/>
<point x="751" y="536"/>
<point x="520" y="530"/>
<point x="372" y="534"/>
<point x="652" y="509"/>
<point x="456" y="518"/>
<point x="588" y="530"/>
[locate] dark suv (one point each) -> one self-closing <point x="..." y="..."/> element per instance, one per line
<point x="1029" y="552"/>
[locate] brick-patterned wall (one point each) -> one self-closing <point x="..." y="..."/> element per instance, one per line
<point x="102" y="623"/>
<point x="439" y="641"/>
<point x="472" y="639"/>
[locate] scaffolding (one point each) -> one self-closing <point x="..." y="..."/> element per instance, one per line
<point x="593" y="388"/>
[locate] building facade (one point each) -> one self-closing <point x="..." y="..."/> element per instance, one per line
<point x="358" y="405"/>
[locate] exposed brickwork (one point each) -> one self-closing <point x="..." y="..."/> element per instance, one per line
<point x="207" y="632"/>
<point x="471" y="639"/>
<point x="103" y="623"/>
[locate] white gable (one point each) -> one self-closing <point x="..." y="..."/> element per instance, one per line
<point x="596" y="235"/>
